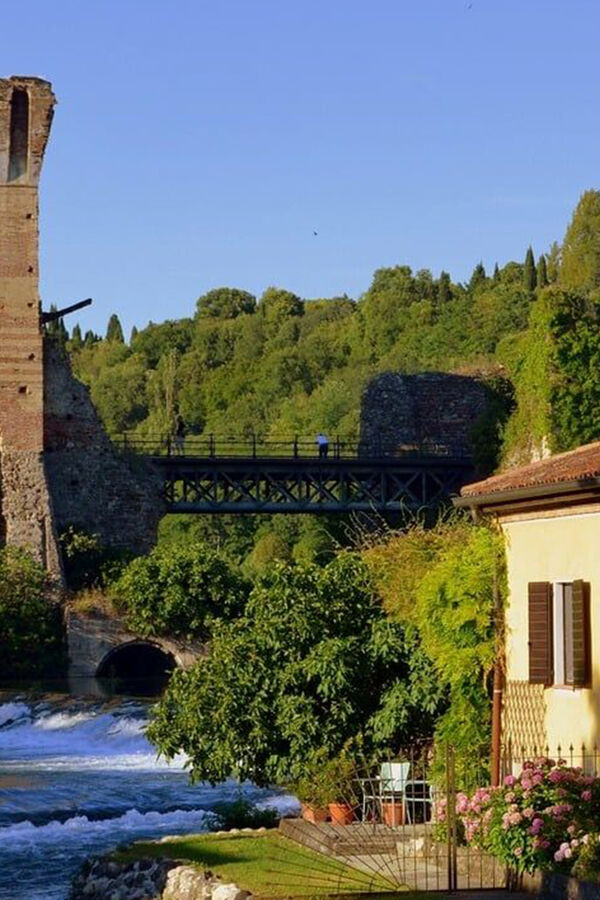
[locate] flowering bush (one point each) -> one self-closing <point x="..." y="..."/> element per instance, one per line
<point x="540" y="819"/>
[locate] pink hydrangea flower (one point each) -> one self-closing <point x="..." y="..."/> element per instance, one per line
<point x="509" y="780"/>
<point x="586" y="795"/>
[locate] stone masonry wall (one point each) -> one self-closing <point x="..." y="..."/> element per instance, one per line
<point x="93" y="486"/>
<point x="420" y="411"/>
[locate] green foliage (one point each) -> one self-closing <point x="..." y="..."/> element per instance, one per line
<point x="30" y="622"/>
<point x="87" y="562"/>
<point x="225" y="303"/>
<point x="311" y="664"/>
<point x="440" y="582"/>
<point x="542" y="272"/>
<point x="243" y="813"/>
<point x="114" y="331"/>
<point x="529" y="272"/>
<point x="56" y="329"/>
<point x="554" y="367"/>
<point x="179" y="590"/>
<point x="580" y="266"/>
<point x="457" y="624"/>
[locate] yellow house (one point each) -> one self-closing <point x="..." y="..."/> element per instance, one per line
<point x="549" y="512"/>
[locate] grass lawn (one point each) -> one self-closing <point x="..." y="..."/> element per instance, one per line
<point x="268" y="865"/>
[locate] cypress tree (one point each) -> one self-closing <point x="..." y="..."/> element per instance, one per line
<point x="444" y="289"/>
<point x="496" y="274"/>
<point x="478" y="277"/>
<point x="89" y="339"/>
<point x="542" y="272"/>
<point x="114" y="332"/>
<point x="529" y="273"/>
<point x="133" y="335"/>
<point x="76" y="338"/>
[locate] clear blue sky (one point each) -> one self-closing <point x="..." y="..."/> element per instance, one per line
<point x="199" y="143"/>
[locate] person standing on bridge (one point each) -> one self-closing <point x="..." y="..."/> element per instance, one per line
<point x="179" y="434"/>
<point x="322" y="442"/>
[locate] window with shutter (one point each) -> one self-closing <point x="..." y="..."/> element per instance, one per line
<point x="540" y="633"/>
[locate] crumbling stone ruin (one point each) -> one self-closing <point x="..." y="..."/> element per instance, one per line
<point x="57" y="466"/>
<point x="429" y="411"/>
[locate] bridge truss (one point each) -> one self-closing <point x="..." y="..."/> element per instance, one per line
<point x="309" y="485"/>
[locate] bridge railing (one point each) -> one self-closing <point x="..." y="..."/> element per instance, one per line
<point x="286" y="447"/>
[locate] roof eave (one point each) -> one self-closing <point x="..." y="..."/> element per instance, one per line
<point x="497" y="499"/>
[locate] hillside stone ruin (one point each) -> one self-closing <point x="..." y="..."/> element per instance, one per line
<point x="429" y="412"/>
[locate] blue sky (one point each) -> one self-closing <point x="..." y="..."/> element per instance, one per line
<point x="198" y="144"/>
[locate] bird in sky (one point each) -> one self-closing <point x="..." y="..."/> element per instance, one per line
<point x="315" y="232"/>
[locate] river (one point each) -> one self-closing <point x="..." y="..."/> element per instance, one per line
<point x="77" y="776"/>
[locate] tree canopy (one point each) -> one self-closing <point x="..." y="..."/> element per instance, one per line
<point x="312" y="663"/>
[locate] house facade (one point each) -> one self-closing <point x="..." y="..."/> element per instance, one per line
<point x="549" y="512"/>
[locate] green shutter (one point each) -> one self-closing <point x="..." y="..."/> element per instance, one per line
<point x="540" y="633"/>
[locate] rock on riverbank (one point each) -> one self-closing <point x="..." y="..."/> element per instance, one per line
<point x="150" y="879"/>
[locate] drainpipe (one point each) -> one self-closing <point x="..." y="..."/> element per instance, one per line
<point x="498" y="685"/>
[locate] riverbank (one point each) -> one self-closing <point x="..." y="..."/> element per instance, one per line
<point x="223" y="866"/>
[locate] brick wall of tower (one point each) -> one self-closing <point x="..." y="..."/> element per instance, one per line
<point x="26" y="515"/>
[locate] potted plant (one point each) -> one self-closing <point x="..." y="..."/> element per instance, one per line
<point x="339" y="782"/>
<point x="312" y="791"/>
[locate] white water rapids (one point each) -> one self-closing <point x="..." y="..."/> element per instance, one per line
<point x="77" y="778"/>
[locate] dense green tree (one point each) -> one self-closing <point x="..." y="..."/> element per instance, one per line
<point x="496" y="276"/>
<point x="311" y="664"/>
<point x="30" y="622"/>
<point x="478" y="278"/>
<point x="57" y="330"/>
<point x="529" y="271"/>
<point x="133" y="335"/>
<point x="276" y="304"/>
<point x="90" y="338"/>
<point x="444" y="288"/>
<point x="76" y="338"/>
<point x="542" y="272"/>
<point x="580" y="266"/>
<point x="179" y="589"/>
<point x="225" y="303"/>
<point x="114" y="331"/>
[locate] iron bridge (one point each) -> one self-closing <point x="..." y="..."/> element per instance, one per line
<point x="205" y="476"/>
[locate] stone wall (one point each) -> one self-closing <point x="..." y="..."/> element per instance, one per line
<point x="432" y="410"/>
<point x="93" y="486"/>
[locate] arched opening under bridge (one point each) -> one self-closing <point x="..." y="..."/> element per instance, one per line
<point x="137" y="667"/>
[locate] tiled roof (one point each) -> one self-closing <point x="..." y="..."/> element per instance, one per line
<point x="580" y="464"/>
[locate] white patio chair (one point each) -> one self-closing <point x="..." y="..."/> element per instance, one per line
<point x="388" y="786"/>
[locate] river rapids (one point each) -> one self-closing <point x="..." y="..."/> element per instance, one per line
<point x="79" y="777"/>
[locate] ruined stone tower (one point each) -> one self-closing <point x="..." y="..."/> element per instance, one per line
<point x="26" y="106"/>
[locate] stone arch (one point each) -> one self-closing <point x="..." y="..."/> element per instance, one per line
<point x="138" y="665"/>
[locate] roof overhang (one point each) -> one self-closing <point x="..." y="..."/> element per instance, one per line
<point x="576" y="492"/>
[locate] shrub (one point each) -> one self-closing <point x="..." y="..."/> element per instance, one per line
<point x="30" y="622"/>
<point x="540" y="819"/>
<point x="242" y="813"/>
<point x="179" y="589"/>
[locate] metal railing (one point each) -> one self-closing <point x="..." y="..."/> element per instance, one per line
<point x="285" y="447"/>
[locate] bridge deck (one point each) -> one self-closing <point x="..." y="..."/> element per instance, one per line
<point x="307" y="484"/>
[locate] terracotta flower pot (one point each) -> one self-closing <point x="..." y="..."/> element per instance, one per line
<point x="341" y="813"/>
<point x="314" y="814"/>
<point x="392" y="813"/>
